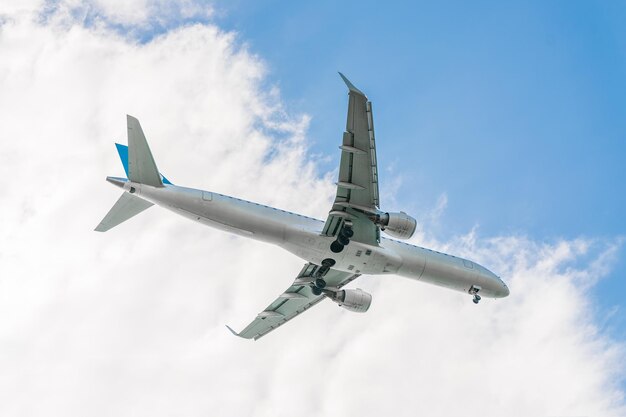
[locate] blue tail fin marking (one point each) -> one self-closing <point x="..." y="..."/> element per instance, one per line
<point x="122" y="150"/>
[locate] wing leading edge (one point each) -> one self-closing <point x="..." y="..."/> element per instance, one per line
<point x="295" y="300"/>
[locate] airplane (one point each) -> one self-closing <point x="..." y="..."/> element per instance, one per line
<point x="337" y="251"/>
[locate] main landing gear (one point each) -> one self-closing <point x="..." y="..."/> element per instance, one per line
<point x="319" y="284"/>
<point x="343" y="238"/>
<point x="474" y="291"/>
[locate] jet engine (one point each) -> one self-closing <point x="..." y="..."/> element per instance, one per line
<point x="357" y="300"/>
<point x="399" y="225"/>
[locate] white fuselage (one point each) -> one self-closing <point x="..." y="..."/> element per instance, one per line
<point x="302" y="236"/>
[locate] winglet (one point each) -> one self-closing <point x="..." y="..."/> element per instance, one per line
<point x="351" y="86"/>
<point x="232" y="331"/>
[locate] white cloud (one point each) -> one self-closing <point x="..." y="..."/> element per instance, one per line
<point x="141" y="11"/>
<point x="132" y="18"/>
<point x="130" y="322"/>
<point x="20" y="8"/>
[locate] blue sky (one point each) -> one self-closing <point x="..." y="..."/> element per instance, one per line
<point x="515" y="110"/>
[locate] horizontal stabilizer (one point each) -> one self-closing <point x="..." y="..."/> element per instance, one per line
<point x="126" y="207"/>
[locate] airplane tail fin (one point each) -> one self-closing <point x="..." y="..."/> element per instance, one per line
<point x="137" y="159"/>
<point x="140" y="167"/>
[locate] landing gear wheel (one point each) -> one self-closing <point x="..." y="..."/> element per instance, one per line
<point x="321" y="271"/>
<point x="476" y="298"/>
<point x="347" y="232"/>
<point x="320" y="283"/>
<point x="316" y="291"/>
<point x="343" y="239"/>
<point x="328" y="262"/>
<point x="336" y="247"/>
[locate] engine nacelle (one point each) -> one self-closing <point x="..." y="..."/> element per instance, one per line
<point x="357" y="300"/>
<point x="399" y="225"/>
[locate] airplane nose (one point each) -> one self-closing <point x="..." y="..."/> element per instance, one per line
<point x="504" y="292"/>
<point x="493" y="286"/>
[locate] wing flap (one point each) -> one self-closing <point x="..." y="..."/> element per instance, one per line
<point x="359" y="168"/>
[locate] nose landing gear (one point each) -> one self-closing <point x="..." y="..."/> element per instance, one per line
<point x="474" y="291"/>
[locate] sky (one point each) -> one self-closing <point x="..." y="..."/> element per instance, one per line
<point x="499" y="127"/>
<point x="513" y="113"/>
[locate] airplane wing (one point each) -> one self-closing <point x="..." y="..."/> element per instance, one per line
<point x="295" y="300"/>
<point x="356" y="202"/>
<point x="357" y="196"/>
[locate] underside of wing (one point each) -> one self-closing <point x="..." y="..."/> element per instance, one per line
<point x="126" y="207"/>
<point x="296" y="299"/>
<point x="357" y="198"/>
